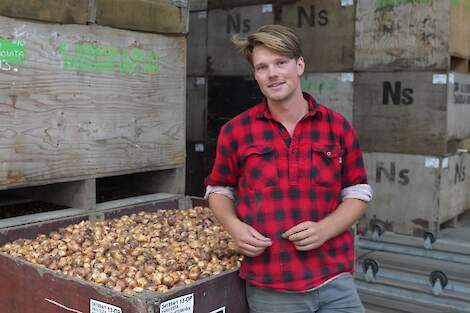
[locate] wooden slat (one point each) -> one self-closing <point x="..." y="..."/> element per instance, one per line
<point x="69" y="111"/>
<point x="59" y="11"/>
<point x="142" y="15"/>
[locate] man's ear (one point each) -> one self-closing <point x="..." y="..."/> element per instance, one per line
<point x="300" y="66"/>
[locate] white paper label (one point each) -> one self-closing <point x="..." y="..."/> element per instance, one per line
<point x="267" y="8"/>
<point x="451" y="78"/>
<point x="347" y="77"/>
<point x="345" y="3"/>
<point x="430" y="162"/>
<point x="219" y="310"/>
<point x="202" y="15"/>
<point x="439" y="79"/>
<point x="101" y="307"/>
<point x="183" y="304"/>
<point x="445" y="163"/>
<point x="200" y="81"/>
<point x="199" y="147"/>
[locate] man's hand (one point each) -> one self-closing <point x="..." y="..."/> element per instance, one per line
<point x="306" y="235"/>
<point x="250" y="242"/>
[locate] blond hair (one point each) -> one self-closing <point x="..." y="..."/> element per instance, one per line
<point x="280" y="39"/>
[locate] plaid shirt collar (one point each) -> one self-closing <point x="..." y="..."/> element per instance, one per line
<point x="313" y="107"/>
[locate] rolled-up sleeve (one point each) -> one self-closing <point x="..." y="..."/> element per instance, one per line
<point x="353" y="170"/>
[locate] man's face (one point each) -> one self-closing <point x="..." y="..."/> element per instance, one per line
<point x="278" y="76"/>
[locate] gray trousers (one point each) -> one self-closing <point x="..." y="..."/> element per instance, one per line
<point x="337" y="296"/>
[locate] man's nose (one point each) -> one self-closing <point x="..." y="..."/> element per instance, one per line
<point x="272" y="72"/>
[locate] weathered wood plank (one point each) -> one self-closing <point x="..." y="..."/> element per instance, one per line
<point x="142" y="15"/>
<point x="197" y="43"/>
<point x="415" y="193"/>
<point x="408" y="35"/>
<point x="59" y="11"/>
<point x="223" y="57"/>
<point x="326" y="28"/>
<point x="334" y="90"/>
<point x="88" y="101"/>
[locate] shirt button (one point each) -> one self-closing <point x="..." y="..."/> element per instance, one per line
<point x="328" y="153"/>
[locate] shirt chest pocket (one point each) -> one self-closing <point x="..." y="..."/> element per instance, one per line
<point x="325" y="165"/>
<point x="259" y="167"/>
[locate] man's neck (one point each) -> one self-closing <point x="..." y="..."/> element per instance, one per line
<point x="289" y="111"/>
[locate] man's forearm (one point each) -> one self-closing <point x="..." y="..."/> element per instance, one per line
<point x="224" y="210"/>
<point x="345" y="215"/>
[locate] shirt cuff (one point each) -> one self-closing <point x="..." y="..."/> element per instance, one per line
<point x="222" y="190"/>
<point x="361" y="192"/>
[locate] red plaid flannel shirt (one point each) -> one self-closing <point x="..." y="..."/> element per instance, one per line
<point x="281" y="181"/>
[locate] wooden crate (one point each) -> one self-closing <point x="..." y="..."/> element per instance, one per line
<point x="156" y="16"/>
<point x="19" y="279"/>
<point x="412" y="35"/>
<point x="197" y="43"/>
<point x="335" y="90"/>
<point x="56" y="11"/>
<point x="326" y="28"/>
<point x="223" y="58"/>
<point x="79" y="102"/>
<point x="411" y="112"/>
<point x="414" y="194"/>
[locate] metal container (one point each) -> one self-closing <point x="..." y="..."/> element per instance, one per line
<point x="27" y="288"/>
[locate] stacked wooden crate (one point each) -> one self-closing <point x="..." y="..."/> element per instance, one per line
<point x="92" y="89"/>
<point x="411" y="109"/>
<point x="217" y="72"/>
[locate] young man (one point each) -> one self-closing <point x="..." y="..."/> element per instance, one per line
<point x="287" y="183"/>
